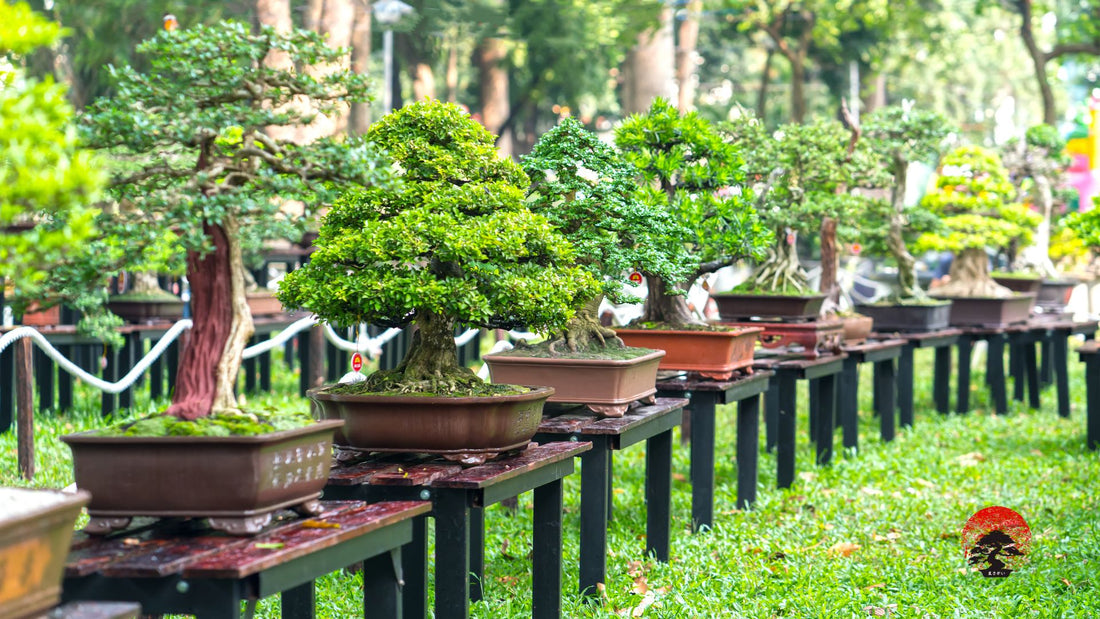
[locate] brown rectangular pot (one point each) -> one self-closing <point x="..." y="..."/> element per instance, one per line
<point x="197" y="476"/>
<point x="1019" y="284"/>
<point x="713" y="353"/>
<point x="36" y="528"/>
<point x="149" y="310"/>
<point x="907" y="318"/>
<point x="1054" y="294"/>
<point x="736" y="307"/>
<point x="991" y="312"/>
<point x="588" y="381"/>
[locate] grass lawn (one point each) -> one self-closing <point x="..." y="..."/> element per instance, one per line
<point x="875" y="534"/>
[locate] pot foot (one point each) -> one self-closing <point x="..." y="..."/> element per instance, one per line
<point x="309" y="508"/>
<point x="102" y="525"/>
<point x="608" y="410"/>
<point x="244" y="525"/>
<point x="717" y="375"/>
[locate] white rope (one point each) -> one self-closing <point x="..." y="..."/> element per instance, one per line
<point x="293" y="329"/>
<point x="72" y="368"/>
<point x="370" y="346"/>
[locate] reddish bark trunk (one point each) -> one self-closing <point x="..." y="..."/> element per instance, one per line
<point x="196" y="378"/>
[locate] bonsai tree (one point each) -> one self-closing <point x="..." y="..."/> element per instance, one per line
<point x="898" y="137"/>
<point x="689" y="170"/>
<point x="453" y="243"/>
<point x="1036" y="165"/>
<point x="975" y="202"/>
<point x="586" y="191"/>
<point x="196" y="169"/>
<point x="803" y="174"/>
<point x="1085" y="226"/>
<point x="47" y="182"/>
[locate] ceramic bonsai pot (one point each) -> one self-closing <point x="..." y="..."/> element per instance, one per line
<point x="1054" y="294"/>
<point x="1019" y="283"/>
<point x="991" y="312"/>
<point x="909" y="318"/>
<point x="35" y="317"/>
<point x="36" y="528"/>
<point x="263" y="303"/>
<point x="470" y="430"/>
<point x="237" y="482"/>
<point x="713" y="353"/>
<point x="770" y="307"/>
<point x="146" y="310"/>
<point x="607" y="386"/>
<point x="857" y="328"/>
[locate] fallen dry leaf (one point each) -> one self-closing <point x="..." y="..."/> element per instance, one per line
<point x="807" y="476"/>
<point x="876" y="585"/>
<point x="843" y="549"/>
<point x="1067" y="582"/>
<point x="925" y="483"/>
<point x="640" y="586"/>
<point x="1059" y="556"/>
<point x="1036" y="452"/>
<point x="508" y="580"/>
<point x="870" y="491"/>
<point x="970" y="459"/>
<point x="827" y="526"/>
<point x="635" y="569"/>
<point x="679" y="477"/>
<point x="646" y="602"/>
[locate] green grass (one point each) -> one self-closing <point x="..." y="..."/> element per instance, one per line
<point x="904" y="504"/>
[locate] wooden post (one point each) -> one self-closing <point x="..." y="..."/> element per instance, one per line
<point x="24" y="408"/>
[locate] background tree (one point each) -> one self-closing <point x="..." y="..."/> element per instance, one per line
<point x="453" y="243"/>
<point x="1036" y="165"/>
<point x="200" y="174"/>
<point x="586" y="191"/>
<point x="899" y="137"/>
<point x="47" y="182"/>
<point x="976" y="204"/>
<point x="689" y="169"/>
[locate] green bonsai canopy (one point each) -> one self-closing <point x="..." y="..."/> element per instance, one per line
<point x="586" y="191"/>
<point x="452" y="243"/>
<point x="975" y="202"/>
<point x="688" y="169"/>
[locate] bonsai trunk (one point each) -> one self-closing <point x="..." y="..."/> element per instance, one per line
<point x="222" y="325"/>
<point x="662" y="306"/>
<point x="829" y="266"/>
<point x="1037" y="256"/>
<point x="907" y="266"/>
<point x="782" y="270"/>
<point x="585" y="331"/>
<point x="145" y="283"/>
<point x="431" y="363"/>
<point x="970" y="277"/>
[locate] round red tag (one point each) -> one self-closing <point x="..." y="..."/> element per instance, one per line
<point x="636" y="277"/>
<point x="357" y="362"/>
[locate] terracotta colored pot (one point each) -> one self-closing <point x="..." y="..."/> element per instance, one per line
<point x="714" y="353"/>
<point x="1054" y="294"/>
<point x="807" y="339"/>
<point x="35" y="317"/>
<point x="1019" y="284"/>
<point x="36" y="528"/>
<point x="857" y="328"/>
<point x="907" y="318"/>
<point x="734" y="307"/>
<point x="263" y="304"/>
<point x="610" y="383"/>
<point x="990" y="312"/>
<point x="148" y="310"/>
<point x="235" y="481"/>
<point x="466" y="429"/>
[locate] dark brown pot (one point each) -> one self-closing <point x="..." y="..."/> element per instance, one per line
<point x="467" y="429"/>
<point x="36" y="528"/>
<point x="1054" y="294"/>
<point x="990" y="312"/>
<point x="586" y="381"/>
<point x="236" y="481"/>
<point x="263" y="304"/>
<point x="906" y="318"/>
<point x="714" y="353"/>
<point x="734" y="307"/>
<point x="147" y="310"/>
<point x="1019" y="284"/>
<point x="857" y="328"/>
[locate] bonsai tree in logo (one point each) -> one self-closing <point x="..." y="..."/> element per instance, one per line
<point x="687" y="168"/>
<point x="452" y="243"/>
<point x="198" y="174"/>
<point x="988" y="550"/>
<point x="586" y="191"/>
<point x="976" y="205"/>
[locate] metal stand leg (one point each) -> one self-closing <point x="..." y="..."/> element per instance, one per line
<point x="941" y="380"/>
<point x="885" y="399"/>
<point x="595" y="480"/>
<point x="1031" y="370"/>
<point x="658" y="494"/>
<point x="748" y="450"/>
<point x="546" y="551"/>
<point x="771" y="415"/>
<point x="299" y="602"/>
<point x="996" y="373"/>
<point x="381" y="589"/>
<point x="1061" y="368"/>
<point x="785" y="428"/>
<point x="849" y="403"/>
<point x="1092" y="379"/>
<point x="905" y="386"/>
<point x="823" y="390"/>
<point x="414" y="568"/>
<point x="477" y="552"/>
<point x="962" y="395"/>
<point x="452" y="554"/>
<point x="703" y="405"/>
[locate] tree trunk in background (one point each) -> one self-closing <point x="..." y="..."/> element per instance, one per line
<point x="798" y="96"/>
<point x="495" y="105"/>
<point x="359" y="117"/>
<point x="829" y="264"/>
<point x="311" y="18"/>
<point x="1038" y="61"/>
<point x="876" y="96"/>
<point x="895" y="241"/>
<point x="452" y="72"/>
<point x="765" y="80"/>
<point x="276" y="13"/>
<point x="686" y="56"/>
<point x="648" y="70"/>
<point x="423" y="81"/>
<point x="662" y="307"/>
<point x="337" y="19"/>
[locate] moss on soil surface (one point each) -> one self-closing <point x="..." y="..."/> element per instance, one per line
<point x="750" y="288"/>
<point x="910" y="303"/>
<point x="483" y="390"/>
<point x="593" y="351"/>
<point x="664" y="326"/>
<point x="217" y="424"/>
<point x="145" y="296"/>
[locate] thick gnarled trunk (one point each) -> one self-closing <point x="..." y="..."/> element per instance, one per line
<point x="970" y="277"/>
<point x="585" y="330"/>
<point x="895" y="241"/>
<point x="222" y="326"/>
<point x="431" y="363"/>
<point x="662" y="306"/>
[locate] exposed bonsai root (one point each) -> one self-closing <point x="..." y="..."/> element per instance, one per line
<point x="584" y="332"/>
<point x="970" y="277"/>
<point x="781" y="270"/>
